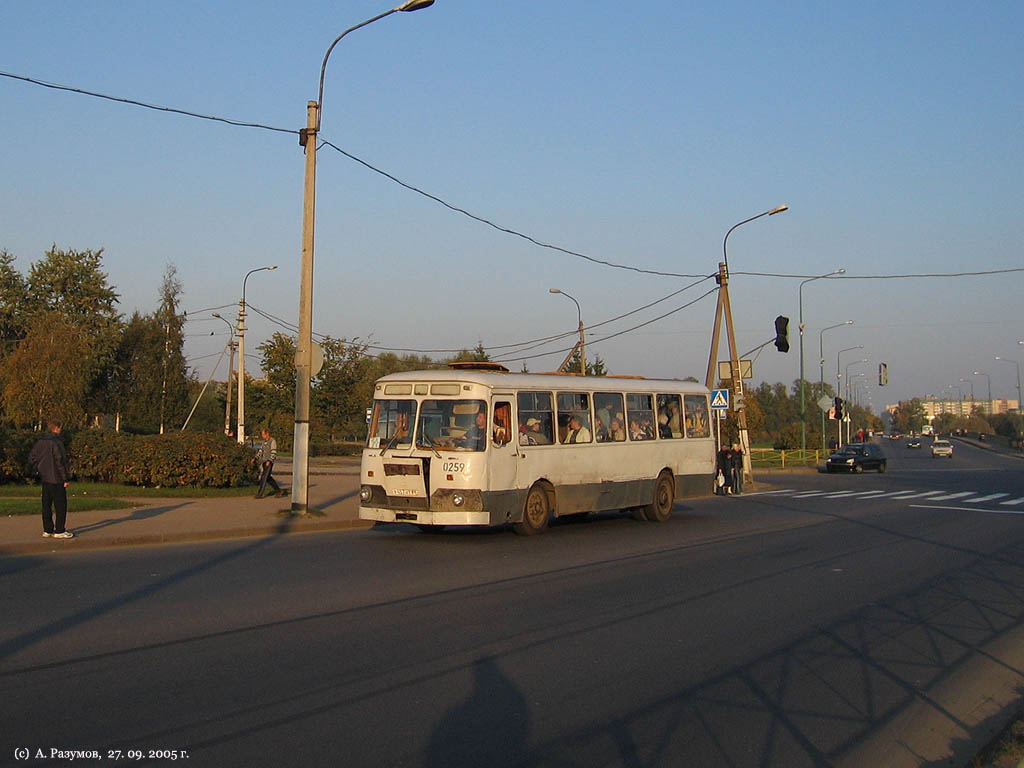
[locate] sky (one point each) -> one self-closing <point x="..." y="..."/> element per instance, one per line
<point x="631" y="133"/>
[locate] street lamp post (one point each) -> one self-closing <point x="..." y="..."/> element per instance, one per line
<point x="971" y="382"/>
<point x="231" y="368"/>
<point x="839" y="382"/>
<point x="821" y="371"/>
<point x="241" y="352"/>
<point x="849" y="389"/>
<point x="988" y="406"/>
<point x="304" y="343"/>
<point x="1019" y="413"/>
<point x="803" y="406"/>
<point x="582" y="344"/>
<point x="724" y="308"/>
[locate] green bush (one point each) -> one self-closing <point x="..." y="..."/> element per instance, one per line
<point x="196" y="459"/>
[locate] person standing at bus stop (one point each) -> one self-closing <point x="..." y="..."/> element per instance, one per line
<point x="49" y="458"/>
<point x="265" y="458"/>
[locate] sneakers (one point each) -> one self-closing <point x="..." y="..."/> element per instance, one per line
<point x="64" y="535"/>
<point x="47" y="535"/>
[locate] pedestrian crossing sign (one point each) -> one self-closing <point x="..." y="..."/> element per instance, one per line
<point x="720" y="399"/>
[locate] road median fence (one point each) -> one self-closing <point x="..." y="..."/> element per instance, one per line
<point x="771" y="458"/>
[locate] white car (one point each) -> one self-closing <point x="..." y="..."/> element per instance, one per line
<point x="942" y="448"/>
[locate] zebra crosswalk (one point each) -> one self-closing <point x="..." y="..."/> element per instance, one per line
<point x="996" y="501"/>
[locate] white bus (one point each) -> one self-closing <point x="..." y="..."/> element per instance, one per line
<point x="466" y="446"/>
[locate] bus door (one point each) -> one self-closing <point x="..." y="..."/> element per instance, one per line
<point x="504" y="446"/>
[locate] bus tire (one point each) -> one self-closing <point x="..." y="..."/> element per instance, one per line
<point x="660" y="508"/>
<point x="427" y="528"/>
<point x="536" y="512"/>
<point x="639" y="513"/>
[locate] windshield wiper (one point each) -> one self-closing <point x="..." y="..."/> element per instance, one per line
<point x="429" y="443"/>
<point x="389" y="443"/>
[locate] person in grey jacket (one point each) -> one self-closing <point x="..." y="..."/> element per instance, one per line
<point x="49" y="458"/>
<point x="265" y="458"/>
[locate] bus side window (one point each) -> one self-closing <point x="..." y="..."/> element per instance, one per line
<point x="639" y="416"/>
<point x="536" y="418"/>
<point x="670" y="424"/>
<point x="501" y="430"/>
<point x="697" y="422"/>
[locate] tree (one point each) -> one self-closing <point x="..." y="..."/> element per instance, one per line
<point x="909" y="416"/>
<point x="175" y="384"/>
<point x="148" y="383"/>
<point x="46" y="376"/>
<point x="72" y="285"/>
<point x="343" y="388"/>
<point x="595" y="366"/>
<point x="13" y="296"/>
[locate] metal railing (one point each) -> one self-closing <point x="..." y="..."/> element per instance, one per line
<point x="770" y="458"/>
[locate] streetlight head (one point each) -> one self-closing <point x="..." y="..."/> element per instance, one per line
<point x="977" y="373"/>
<point x="217" y="315"/>
<point x="554" y="290"/>
<point x="780" y="209"/>
<point x="415" y="5"/>
<point x="848" y="322"/>
<point x="839" y="271"/>
<point x="272" y="266"/>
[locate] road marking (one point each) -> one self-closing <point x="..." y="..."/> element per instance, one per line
<point x="1012" y="502"/>
<point x="990" y="497"/>
<point x="771" y="493"/>
<point x="842" y="494"/>
<point x="953" y="496"/>
<point x="808" y="494"/>
<point x="923" y="495"/>
<point x="970" y="509"/>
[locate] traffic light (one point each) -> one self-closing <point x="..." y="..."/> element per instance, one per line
<point x="883" y="374"/>
<point x="839" y="408"/>
<point x="782" y="333"/>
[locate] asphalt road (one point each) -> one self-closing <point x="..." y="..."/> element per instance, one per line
<point x="790" y="628"/>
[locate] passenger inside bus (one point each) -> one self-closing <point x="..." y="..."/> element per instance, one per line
<point x="476" y="434"/>
<point x="577" y="432"/>
<point x="502" y="423"/>
<point x="535" y="433"/>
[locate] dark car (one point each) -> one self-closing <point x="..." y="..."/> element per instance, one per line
<point x="856" y="458"/>
<point x="913" y="443"/>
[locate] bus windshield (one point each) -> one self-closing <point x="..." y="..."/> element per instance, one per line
<point x="454" y="425"/>
<point x="389" y="424"/>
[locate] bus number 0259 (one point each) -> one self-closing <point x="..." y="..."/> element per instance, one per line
<point x="454" y="466"/>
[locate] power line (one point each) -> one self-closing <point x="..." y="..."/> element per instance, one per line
<point x="890" y="277"/>
<point x="146" y="105"/>
<point x="500" y="228"/>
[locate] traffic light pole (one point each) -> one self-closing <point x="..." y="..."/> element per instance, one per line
<point x="724" y="308"/>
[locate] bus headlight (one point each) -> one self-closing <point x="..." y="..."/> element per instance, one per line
<point x="365" y="494"/>
<point x="458" y="499"/>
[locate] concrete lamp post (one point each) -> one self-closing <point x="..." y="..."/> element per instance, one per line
<point x="304" y="343"/>
<point x="579" y="317"/>
<point x="803" y="405"/>
<point x="231" y="366"/>
<point x="241" y="352"/>
<point x="725" y="308"/>
<point x="821" y="371"/>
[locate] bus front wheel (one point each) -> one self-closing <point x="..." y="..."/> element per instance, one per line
<point x="536" y="513"/>
<point x="664" y="497"/>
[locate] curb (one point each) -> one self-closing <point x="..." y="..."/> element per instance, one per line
<point x="284" y="527"/>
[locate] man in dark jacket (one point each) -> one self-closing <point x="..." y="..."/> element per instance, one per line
<point x="49" y="458"/>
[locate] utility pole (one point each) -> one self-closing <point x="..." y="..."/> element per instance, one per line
<point x="724" y="308"/>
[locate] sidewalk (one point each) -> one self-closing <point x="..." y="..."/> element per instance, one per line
<point x="333" y="490"/>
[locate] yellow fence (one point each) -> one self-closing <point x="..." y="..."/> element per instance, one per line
<point x="770" y="458"/>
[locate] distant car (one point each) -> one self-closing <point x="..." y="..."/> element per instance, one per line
<point x="913" y="443"/>
<point x="942" y="448"/>
<point x="856" y="458"/>
<point x="981" y="437"/>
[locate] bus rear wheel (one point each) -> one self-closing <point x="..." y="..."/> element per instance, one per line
<point x="664" y="497"/>
<point x="536" y="513"/>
